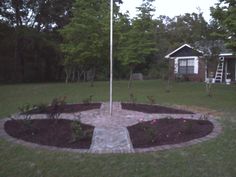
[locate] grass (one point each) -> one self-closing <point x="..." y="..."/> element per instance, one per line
<point x="215" y="158"/>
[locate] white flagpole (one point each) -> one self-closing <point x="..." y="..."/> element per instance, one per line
<point x="111" y="54"/>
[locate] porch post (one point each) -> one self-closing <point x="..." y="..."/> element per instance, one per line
<point x="226" y="68"/>
<point x="206" y="69"/>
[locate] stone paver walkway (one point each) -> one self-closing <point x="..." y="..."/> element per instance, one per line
<point x="109" y="140"/>
<point x="111" y="134"/>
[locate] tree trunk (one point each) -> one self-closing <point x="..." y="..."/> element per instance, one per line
<point x="85" y="73"/>
<point x="93" y="76"/>
<point x="78" y="76"/>
<point x="16" y="57"/>
<point x="130" y="77"/>
<point x="68" y="74"/>
<point x="73" y="75"/>
<point x="169" y="77"/>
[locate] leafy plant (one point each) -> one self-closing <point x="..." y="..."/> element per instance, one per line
<point x="188" y="127"/>
<point x="88" y="100"/>
<point x="151" y="100"/>
<point x="203" y="119"/>
<point x="42" y="107"/>
<point x="78" y="133"/>
<point x="150" y="129"/>
<point x="25" y="111"/>
<point x="56" y="107"/>
<point x="170" y="119"/>
<point x="132" y="98"/>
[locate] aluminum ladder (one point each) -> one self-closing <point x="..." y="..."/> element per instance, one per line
<point x="219" y="70"/>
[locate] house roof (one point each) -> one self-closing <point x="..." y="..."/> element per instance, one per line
<point x="184" y="51"/>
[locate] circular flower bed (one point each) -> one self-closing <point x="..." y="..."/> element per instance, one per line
<point x="168" y="131"/>
<point x="52" y="132"/>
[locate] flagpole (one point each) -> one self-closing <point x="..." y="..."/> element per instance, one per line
<point x="111" y="54"/>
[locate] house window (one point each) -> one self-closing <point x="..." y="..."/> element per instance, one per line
<point x="186" y="66"/>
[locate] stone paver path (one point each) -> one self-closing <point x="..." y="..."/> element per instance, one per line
<point x="110" y="133"/>
<point x="109" y="140"/>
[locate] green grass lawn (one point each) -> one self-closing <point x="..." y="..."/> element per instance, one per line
<point x="215" y="158"/>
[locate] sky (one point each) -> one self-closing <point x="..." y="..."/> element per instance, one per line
<point x="172" y="8"/>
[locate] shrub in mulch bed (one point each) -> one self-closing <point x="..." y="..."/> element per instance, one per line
<point x="153" y="109"/>
<point x="67" y="108"/>
<point x="167" y="131"/>
<point x="52" y="132"/>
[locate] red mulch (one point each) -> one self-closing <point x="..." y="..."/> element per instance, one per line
<point x="49" y="132"/>
<point x="153" y="109"/>
<point x="69" y="108"/>
<point x="168" y="131"/>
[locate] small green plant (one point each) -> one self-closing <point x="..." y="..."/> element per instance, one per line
<point x="56" y="107"/>
<point x="188" y="127"/>
<point x="78" y="133"/>
<point x="151" y="100"/>
<point x="41" y="107"/>
<point x="203" y="119"/>
<point x="25" y="111"/>
<point x="132" y="98"/>
<point x="170" y="119"/>
<point x="150" y="129"/>
<point x="88" y="100"/>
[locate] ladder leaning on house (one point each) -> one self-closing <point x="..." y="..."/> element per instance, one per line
<point x="219" y="70"/>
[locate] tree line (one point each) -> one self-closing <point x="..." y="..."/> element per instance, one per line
<point x="42" y="41"/>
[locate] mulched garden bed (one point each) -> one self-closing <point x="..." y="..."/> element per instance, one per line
<point x="68" y="108"/>
<point x="153" y="109"/>
<point x="168" y="131"/>
<point x="51" y="132"/>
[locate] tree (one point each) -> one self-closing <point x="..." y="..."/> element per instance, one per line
<point x="86" y="37"/>
<point x="138" y="43"/>
<point x="40" y="14"/>
<point x="33" y="25"/>
<point x="224" y="14"/>
<point x="187" y="28"/>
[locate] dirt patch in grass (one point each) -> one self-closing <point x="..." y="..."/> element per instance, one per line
<point x="168" y="131"/>
<point x="50" y="132"/>
<point x="153" y="109"/>
<point x="68" y="108"/>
